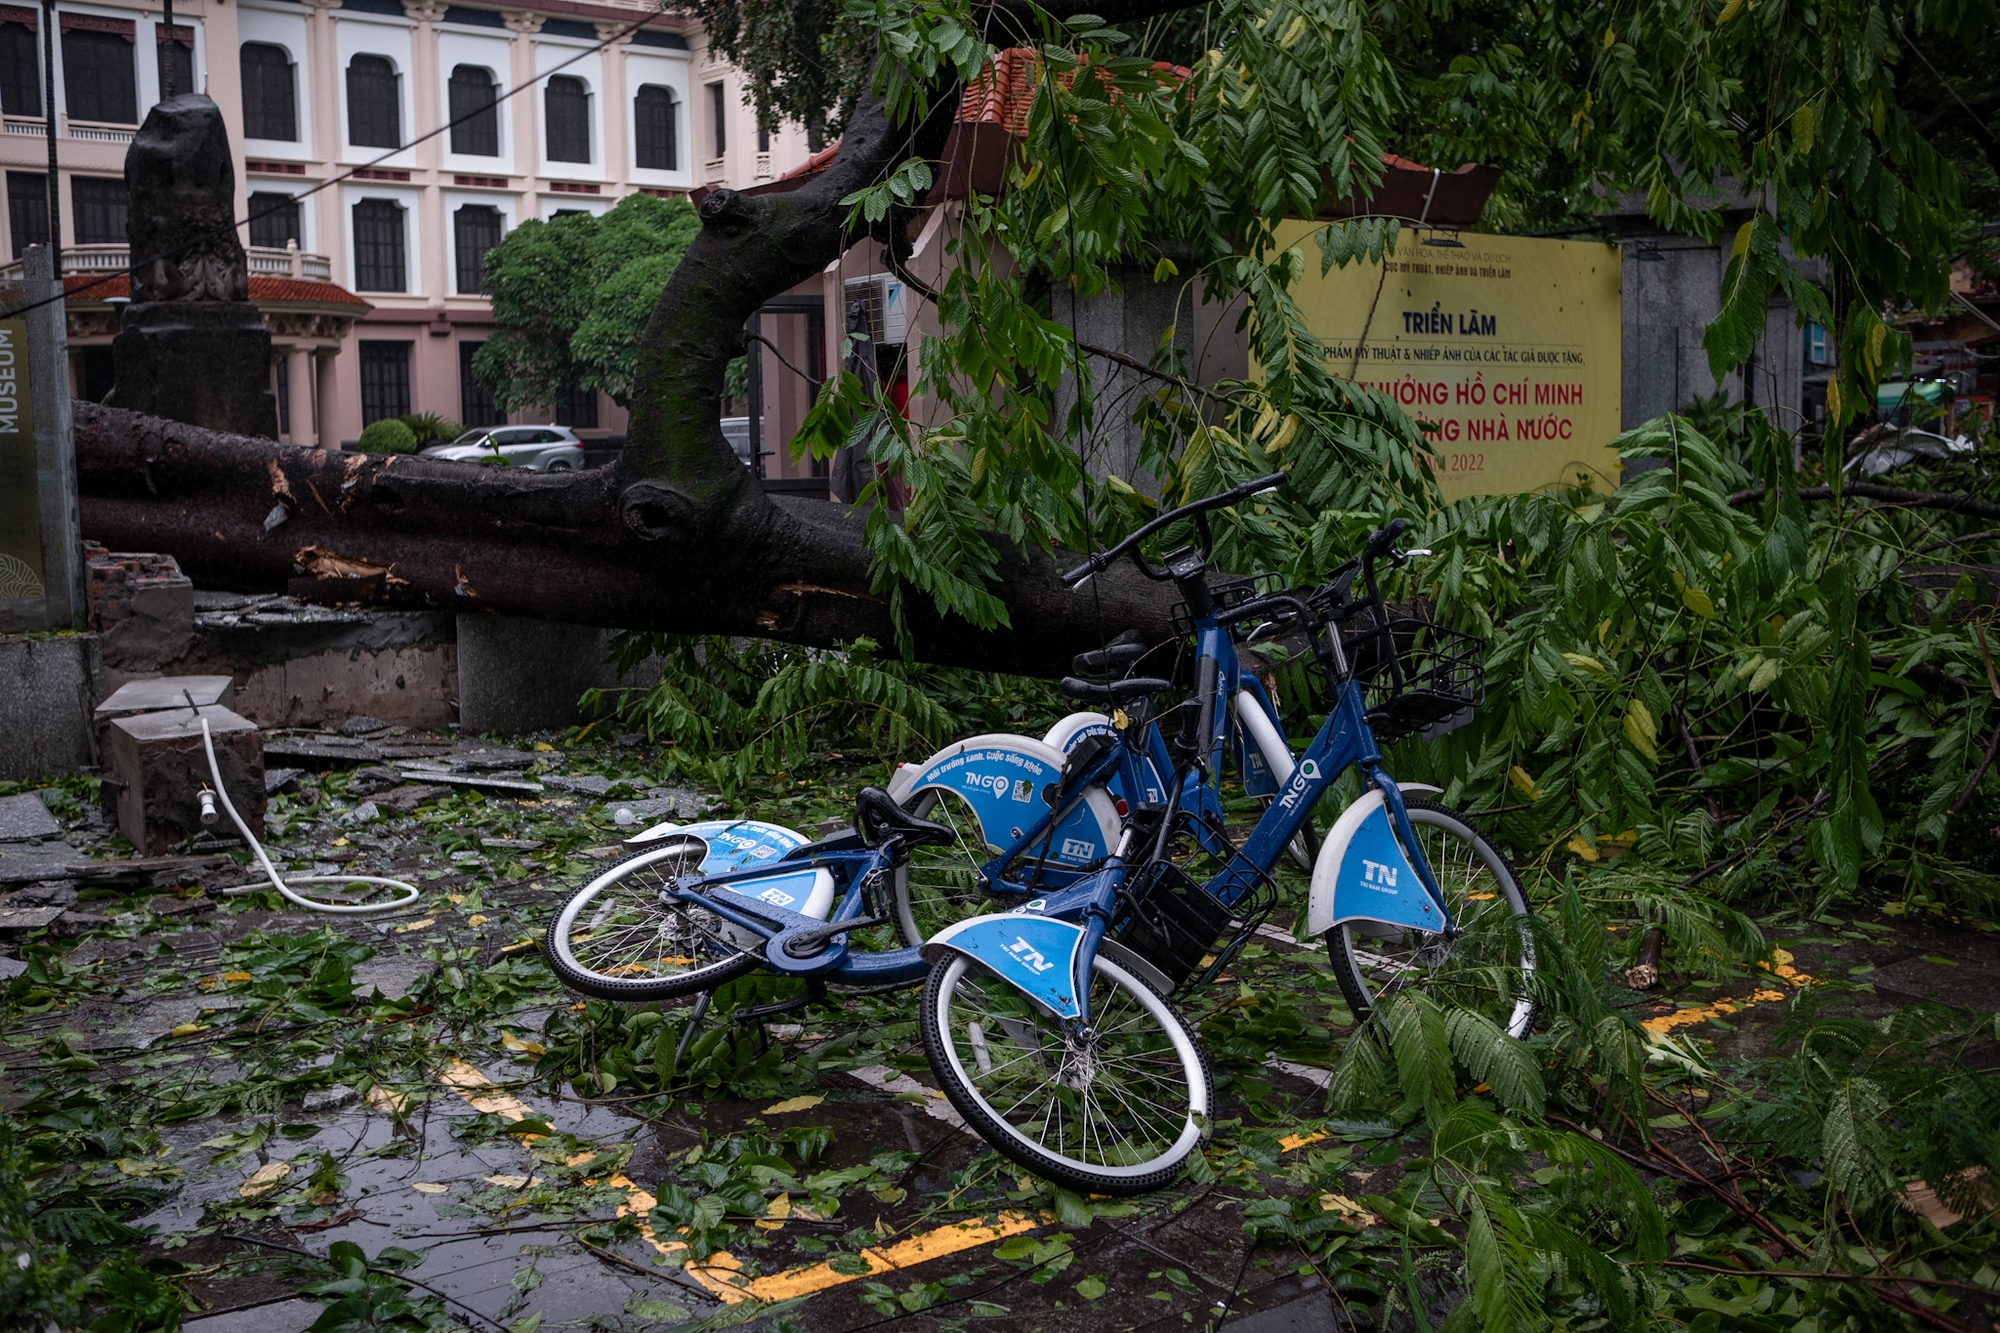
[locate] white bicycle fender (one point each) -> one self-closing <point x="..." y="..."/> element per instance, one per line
<point x="728" y="844"/>
<point x="1004" y="779"/>
<point x="1034" y="954"/>
<point x="1364" y="874"/>
<point x="1064" y="735"/>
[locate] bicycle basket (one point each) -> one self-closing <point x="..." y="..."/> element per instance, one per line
<point x="1443" y="674"/>
<point x="1228" y="594"/>
<point x="1178" y="926"/>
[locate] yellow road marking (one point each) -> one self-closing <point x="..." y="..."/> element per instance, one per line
<point x="722" y="1273"/>
<point x="1662" y="1024"/>
<point x="482" y="1094"/>
<point x="949" y="1239"/>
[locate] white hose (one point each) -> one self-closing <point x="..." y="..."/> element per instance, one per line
<point x="410" y="891"/>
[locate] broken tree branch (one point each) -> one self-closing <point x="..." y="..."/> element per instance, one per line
<point x="1890" y="495"/>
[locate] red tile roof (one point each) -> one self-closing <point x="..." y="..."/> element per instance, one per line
<point x="263" y="290"/>
<point x="302" y="291"/>
<point x="993" y="118"/>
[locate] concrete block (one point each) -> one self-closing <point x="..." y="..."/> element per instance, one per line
<point x="164" y="692"/>
<point x="302" y="665"/>
<point x="517" y="676"/>
<point x="36" y="862"/>
<point x="159" y="763"/>
<point x="47" y="686"/>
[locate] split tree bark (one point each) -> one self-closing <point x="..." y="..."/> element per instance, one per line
<point x="675" y="536"/>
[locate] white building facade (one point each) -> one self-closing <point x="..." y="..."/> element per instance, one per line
<point x="312" y="89"/>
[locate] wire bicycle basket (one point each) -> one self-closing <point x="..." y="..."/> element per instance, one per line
<point x="1228" y="595"/>
<point x="1418" y="675"/>
<point x="1178" y="926"/>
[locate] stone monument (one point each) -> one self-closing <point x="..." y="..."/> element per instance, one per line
<point x="190" y="346"/>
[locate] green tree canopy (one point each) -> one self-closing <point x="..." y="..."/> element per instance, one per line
<point x="572" y="296"/>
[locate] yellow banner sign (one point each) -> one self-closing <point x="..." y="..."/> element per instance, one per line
<point x="1505" y="348"/>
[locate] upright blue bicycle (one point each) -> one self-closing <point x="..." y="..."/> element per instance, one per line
<point x="1048" y="1026"/>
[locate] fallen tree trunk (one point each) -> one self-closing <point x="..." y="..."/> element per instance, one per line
<point x="416" y="532"/>
<point x="675" y="536"/>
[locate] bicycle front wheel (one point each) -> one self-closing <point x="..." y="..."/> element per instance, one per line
<point x="1488" y="966"/>
<point x="620" y="937"/>
<point x="1114" y="1108"/>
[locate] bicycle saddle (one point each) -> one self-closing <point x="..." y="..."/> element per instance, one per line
<point x="1112" y="659"/>
<point x="879" y="819"/>
<point x="1116" y="692"/>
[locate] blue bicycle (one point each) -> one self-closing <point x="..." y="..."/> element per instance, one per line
<point x="1048" y="1026"/>
<point x="997" y="792"/>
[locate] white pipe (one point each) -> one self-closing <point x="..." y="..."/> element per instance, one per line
<point x="410" y="891"/>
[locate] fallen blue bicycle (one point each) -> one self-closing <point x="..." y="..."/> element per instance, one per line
<point x="1048" y="1025"/>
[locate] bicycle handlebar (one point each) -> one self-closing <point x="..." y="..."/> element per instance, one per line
<point x="1105" y="559"/>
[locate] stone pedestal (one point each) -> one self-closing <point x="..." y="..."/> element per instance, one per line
<point x="527" y="675"/>
<point x="207" y="363"/>
<point x="159" y="763"/>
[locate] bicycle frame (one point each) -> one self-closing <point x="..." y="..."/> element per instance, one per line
<point x="758" y="901"/>
<point x="1137" y="779"/>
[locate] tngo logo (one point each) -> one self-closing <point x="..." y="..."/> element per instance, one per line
<point x="1378" y="876"/>
<point x="777" y="898"/>
<point x="1029" y="956"/>
<point x="1308" y="771"/>
<point x="1077" y="849"/>
<point x="993" y="782"/>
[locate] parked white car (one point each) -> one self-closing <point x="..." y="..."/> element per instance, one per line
<point x="537" y="448"/>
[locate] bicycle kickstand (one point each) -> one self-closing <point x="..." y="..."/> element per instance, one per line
<point x="701" y="1004"/>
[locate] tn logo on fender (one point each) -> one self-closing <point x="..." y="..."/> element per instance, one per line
<point x="1379" y="877"/>
<point x="777" y="898"/>
<point x="1028" y="956"/>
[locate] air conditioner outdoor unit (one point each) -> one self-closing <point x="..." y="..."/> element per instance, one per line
<point x="887" y="303"/>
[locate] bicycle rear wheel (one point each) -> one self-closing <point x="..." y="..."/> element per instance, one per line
<point x="1113" y="1109"/>
<point x="620" y="937"/>
<point x="1487" y="967"/>
<point x="941" y="885"/>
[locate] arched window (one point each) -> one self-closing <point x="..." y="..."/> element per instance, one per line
<point x="475" y="230"/>
<point x="566" y="104"/>
<point x="475" y="114"/>
<point x="374" y="112"/>
<point x="270" y="93"/>
<point x="656" y="128"/>
<point x="378" y="247"/>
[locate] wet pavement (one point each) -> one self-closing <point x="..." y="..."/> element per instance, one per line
<point x="416" y="1081"/>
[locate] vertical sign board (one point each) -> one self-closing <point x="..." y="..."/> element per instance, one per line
<point x="1506" y="348"/>
<point x="20" y="495"/>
